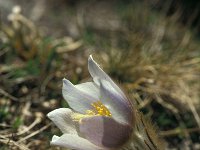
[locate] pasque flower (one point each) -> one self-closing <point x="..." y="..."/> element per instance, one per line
<point x="101" y="116"/>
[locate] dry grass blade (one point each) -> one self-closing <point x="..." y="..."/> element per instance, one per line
<point x="34" y="133"/>
<point x="4" y="93"/>
<point x="27" y="129"/>
<point x="10" y="143"/>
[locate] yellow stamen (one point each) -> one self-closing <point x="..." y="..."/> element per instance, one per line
<point x="77" y="117"/>
<point x="99" y="109"/>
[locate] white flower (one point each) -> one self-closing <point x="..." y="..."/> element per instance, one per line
<point x="101" y="116"/>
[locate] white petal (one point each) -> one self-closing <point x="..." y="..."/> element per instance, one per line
<point x="120" y="107"/>
<point x="62" y="119"/>
<point x="97" y="73"/>
<point x="89" y="88"/>
<point x="77" y="99"/>
<point x="73" y="142"/>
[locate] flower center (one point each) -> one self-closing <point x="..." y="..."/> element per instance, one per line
<point x="99" y="109"/>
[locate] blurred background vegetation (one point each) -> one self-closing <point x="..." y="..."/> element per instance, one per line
<point x="152" y="48"/>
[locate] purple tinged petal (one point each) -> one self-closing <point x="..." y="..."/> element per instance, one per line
<point x="97" y="73"/>
<point x="77" y="99"/>
<point x="105" y="131"/>
<point x="120" y="107"/>
<point x="73" y="142"/>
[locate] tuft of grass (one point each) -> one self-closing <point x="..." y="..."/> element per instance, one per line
<point x="3" y="113"/>
<point x="159" y="63"/>
<point x="17" y="123"/>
